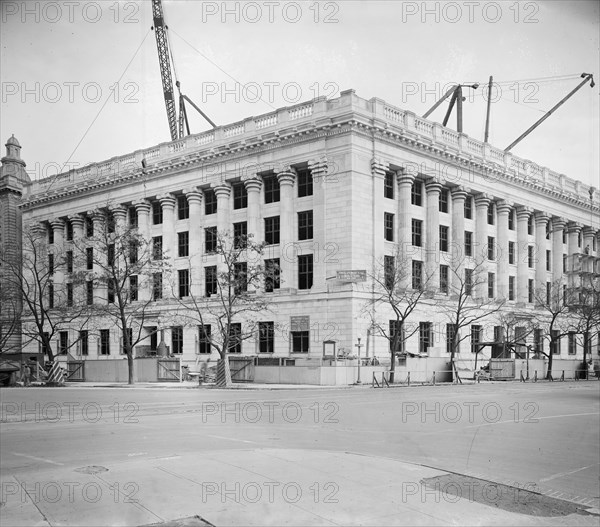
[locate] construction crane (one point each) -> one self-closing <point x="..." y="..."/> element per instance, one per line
<point x="457" y="98"/>
<point x="164" y="60"/>
<point x="586" y="77"/>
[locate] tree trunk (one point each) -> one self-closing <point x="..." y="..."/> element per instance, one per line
<point x="550" y="357"/>
<point x="224" y="372"/>
<point x="131" y="379"/>
<point x="392" y="366"/>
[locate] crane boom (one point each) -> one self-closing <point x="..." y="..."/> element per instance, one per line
<point x="160" y="31"/>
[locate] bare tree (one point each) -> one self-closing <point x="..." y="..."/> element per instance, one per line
<point x="10" y="316"/>
<point x="398" y="286"/>
<point x="585" y="307"/>
<point x="467" y="303"/>
<point x="232" y="299"/>
<point x="126" y="272"/>
<point x="48" y="307"/>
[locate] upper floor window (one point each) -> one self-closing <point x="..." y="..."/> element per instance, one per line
<point x="210" y="239"/>
<point x="305" y="271"/>
<point x="240" y="196"/>
<point x="157" y="213"/>
<point x="388" y="185"/>
<point x="511" y="220"/>
<point x="444" y="238"/>
<point x="469" y="207"/>
<point x="305" y="225"/>
<point x="183" y="244"/>
<point x="183" y="208"/>
<point x="89" y="227"/>
<point x="157" y="248"/>
<point x="210" y="202"/>
<point x="490" y="214"/>
<point x="416" y="193"/>
<point x="272" y="230"/>
<point x="443" y="204"/>
<point x="133" y="217"/>
<point x="388" y="225"/>
<point x="305" y="183"/>
<point x="69" y="231"/>
<point x="271" y="186"/>
<point x="417" y="232"/>
<point x="468" y="243"/>
<point x="240" y="235"/>
<point x="51" y="235"/>
<point x="530" y="224"/>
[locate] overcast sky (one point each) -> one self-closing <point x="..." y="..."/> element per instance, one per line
<point x="60" y="62"/>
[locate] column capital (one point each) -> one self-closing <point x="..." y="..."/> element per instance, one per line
<point x="57" y="224"/>
<point x="252" y="183"/>
<point x="77" y="220"/>
<point x="193" y="195"/>
<point x="379" y="166"/>
<point x="541" y="218"/>
<point x="482" y="200"/>
<point x="558" y="223"/>
<point x="286" y="177"/>
<point x="588" y="231"/>
<point x="433" y="187"/>
<point x="459" y="193"/>
<point x="142" y="205"/>
<point x="504" y="207"/>
<point x="221" y="189"/>
<point x="118" y="211"/>
<point x="318" y="167"/>
<point x="36" y="228"/>
<point x="167" y="200"/>
<point x="573" y="227"/>
<point x="523" y="212"/>
<point x="405" y="178"/>
<point x="96" y="214"/>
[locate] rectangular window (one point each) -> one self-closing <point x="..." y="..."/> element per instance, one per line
<point x="210" y="240"/>
<point x="511" y="252"/>
<point x="530" y="225"/>
<point x="490" y="214"/>
<point x="548" y="260"/>
<point x="511" y="287"/>
<point x="555" y="342"/>
<point x="240" y="277"/>
<point x="511" y="220"/>
<point x="468" y="281"/>
<point x="538" y="340"/>
<point x="157" y="248"/>
<point x="388" y="185"/>
<point x="157" y="286"/>
<point x="89" y="258"/>
<point x="63" y="342"/>
<point x="240" y="235"/>
<point x="396" y="333"/>
<point x="272" y="230"/>
<point x="417" y="232"/>
<point x="389" y="271"/>
<point x="272" y="275"/>
<point x="469" y="208"/>
<point x="204" y="346"/>
<point x="300" y="341"/>
<point x="83" y="342"/>
<point x="491" y="283"/>
<point x="271" y="186"/>
<point x="530" y="291"/>
<point x="530" y="256"/>
<point x="210" y="280"/>
<point x="305" y="183"/>
<point x="105" y="342"/>
<point x="548" y="230"/>
<point x="133" y="251"/>
<point x="305" y="225"/>
<point x="50" y="235"/>
<point x="266" y="337"/>
<point x="548" y="293"/>
<point x="468" y="243"/>
<point x="417" y="274"/>
<point x="475" y="338"/>
<point x="444" y="278"/>
<point x="110" y="223"/>
<point x="183" y="208"/>
<point x="416" y="193"/>
<point x="157" y="213"/>
<point x="183" y="276"/>
<point x="443" y="201"/>
<point x="305" y="271"/>
<point x="572" y="343"/>
<point x="70" y="295"/>
<point x="44" y="345"/>
<point x="110" y="256"/>
<point x="240" y="196"/>
<point x="177" y="340"/>
<point x="133" y="217"/>
<point x="210" y="202"/>
<point x="425" y="336"/>
<point x="69" y="231"/>
<point x="51" y="264"/>
<point x="111" y="290"/>
<point x="89" y="227"/>
<point x="51" y="295"/>
<point x="133" y="288"/>
<point x="564" y="263"/>
<point x="450" y="334"/>
<point x="564" y="236"/>
<point x="443" y="238"/>
<point x="235" y="338"/>
<point x="89" y="292"/>
<point x="491" y="242"/>
<point x="388" y="226"/>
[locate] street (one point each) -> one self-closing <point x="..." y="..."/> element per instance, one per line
<point x="138" y="456"/>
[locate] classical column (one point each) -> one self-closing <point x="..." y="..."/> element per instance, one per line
<point x="541" y="220"/>
<point x="457" y="262"/>
<point x="558" y="224"/>
<point x="253" y="186"/>
<point x="405" y="182"/>
<point x="378" y="171"/>
<point x="78" y="223"/>
<point x="194" y="197"/>
<point x="143" y="208"/>
<point x="288" y="259"/>
<point x="99" y="267"/>
<point x="58" y="251"/>
<point x="223" y="193"/>
<point x="323" y="268"/>
<point x="482" y="202"/>
<point x="432" y="236"/>
<point x="573" y="249"/>
<point x="119" y="214"/>
<point x="588" y="240"/>
<point x="523" y="214"/>
<point x="169" y="240"/>
<point x="503" y="209"/>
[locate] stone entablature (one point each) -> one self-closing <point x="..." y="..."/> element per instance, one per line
<point x="300" y="122"/>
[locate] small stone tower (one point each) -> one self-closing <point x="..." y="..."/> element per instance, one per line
<point x="14" y="181"/>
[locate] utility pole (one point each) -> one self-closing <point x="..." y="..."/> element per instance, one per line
<point x="489" y="105"/>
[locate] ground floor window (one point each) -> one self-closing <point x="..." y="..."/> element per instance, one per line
<point x="300" y="341"/>
<point x="204" y="339"/>
<point x="105" y="342"/>
<point x="63" y="342"/>
<point x="266" y="337"/>
<point x="425" y="336"/>
<point x="83" y="342"/>
<point x="177" y="339"/>
<point x="235" y="338"/>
